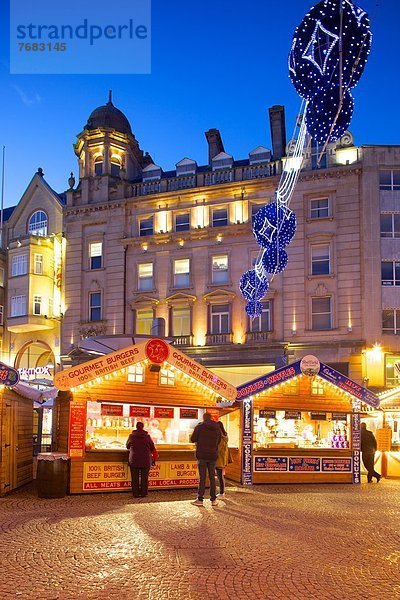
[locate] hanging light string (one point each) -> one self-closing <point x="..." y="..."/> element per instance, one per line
<point x="287" y="183"/>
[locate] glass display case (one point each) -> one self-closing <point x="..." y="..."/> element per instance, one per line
<point x="392" y="420"/>
<point x="300" y="429"/>
<point x="108" y="425"/>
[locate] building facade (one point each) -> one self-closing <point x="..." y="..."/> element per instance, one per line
<point x="144" y="244"/>
<point x="33" y="250"/>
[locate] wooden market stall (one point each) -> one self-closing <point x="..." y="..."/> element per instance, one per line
<point x="385" y="424"/>
<point x="16" y="439"/>
<point x="101" y="401"/>
<point x="301" y="424"/>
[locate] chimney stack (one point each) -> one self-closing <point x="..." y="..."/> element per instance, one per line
<point x="215" y="144"/>
<point x="278" y="131"/>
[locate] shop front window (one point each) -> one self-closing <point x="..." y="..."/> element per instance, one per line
<point x="108" y="425"/>
<point x="392" y="374"/>
<point x="297" y="429"/>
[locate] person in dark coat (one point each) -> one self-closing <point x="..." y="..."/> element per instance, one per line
<point x="368" y="449"/>
<point x="142" y="455"/>
<point x="206" y="436"/>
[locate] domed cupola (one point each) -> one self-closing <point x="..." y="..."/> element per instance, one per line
<point x="109" y="117"/>
<point x="107" y="147"/>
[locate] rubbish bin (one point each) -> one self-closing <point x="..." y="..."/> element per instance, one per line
<point x="52" y="474"/>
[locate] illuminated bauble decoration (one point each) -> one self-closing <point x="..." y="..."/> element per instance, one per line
<point x="254" y="309"/>
<point x="315" y="53"/>
<point x="252" y="286"/>
<point x="325" y="118"/>
<point x="272" y="223"/>
<point x="274" y="260"/>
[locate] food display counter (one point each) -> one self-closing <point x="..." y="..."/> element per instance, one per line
<point x="385" y="425"/>
<point x="301" y="424"/>
<point x="166" y="393"/>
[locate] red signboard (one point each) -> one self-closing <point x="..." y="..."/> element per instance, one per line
<point x="139" y="411"/>
<point x="76" y="435"/>
<point x="114" y="410"/>
<point x="163" y="413"/>
<point x="189" y="413"/>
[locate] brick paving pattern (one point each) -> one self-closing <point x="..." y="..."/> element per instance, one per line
<point x="297" y="542"/>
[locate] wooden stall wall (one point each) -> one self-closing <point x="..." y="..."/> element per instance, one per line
<point x="16" y="437"/>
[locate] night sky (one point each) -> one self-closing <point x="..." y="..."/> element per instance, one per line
<point x="216" y="63"/>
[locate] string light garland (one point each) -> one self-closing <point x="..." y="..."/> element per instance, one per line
<point x="328" y="55"/>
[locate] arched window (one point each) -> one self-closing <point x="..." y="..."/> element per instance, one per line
<point x="115" y="167"/>
<point x="98" y="165"/>
<point x="38" y="223"/>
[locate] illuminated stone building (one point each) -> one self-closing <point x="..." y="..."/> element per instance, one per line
<point x="32" y="305"/>
<point x="144" y="244"/>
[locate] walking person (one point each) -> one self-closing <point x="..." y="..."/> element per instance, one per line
<point x="222" y="460"/>
<point x="142" y="455"/>
<point x="368" y="449"/>
<point x="206" y="436"/>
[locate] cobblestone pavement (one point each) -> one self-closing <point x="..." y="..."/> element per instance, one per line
<point x="311" y="541"/>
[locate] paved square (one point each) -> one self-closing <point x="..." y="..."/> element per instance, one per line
<point x="298" y="542"/>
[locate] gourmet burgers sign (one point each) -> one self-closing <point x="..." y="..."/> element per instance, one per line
<point x="155" y="351"/>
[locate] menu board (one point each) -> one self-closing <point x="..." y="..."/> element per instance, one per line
<point x="304" y="464"/>
<point x="336" y="465"/>
<point x="76" y="434"/>
<point x="265" y="413"/>
<point x="339" y="416"/>
<point x="163" y="413"/>
<point x="139" y="411"/>
<point x="293" y="414"/>
<point x="384" y="439"/>
<point x="270" y="463"/>
<point x="189" y="413"/>
<point x="318" y="416"/>
<point x="114" y="410"/>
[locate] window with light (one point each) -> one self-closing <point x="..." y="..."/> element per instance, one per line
<point x="219" y="269"/>
<point x="389" y="180"/>
<point x="145" y="277"/>
<point x="390" y="271"/>
<point x="264" y="321"/>
<point x="220" y="217"/>
<point x="144" y="320"/>
<point x="391" y="321"/>
<point x="317" y="387"/>
<point x="220" y="318"/>
<point x="392" y="374"/>
<point x="96" y="255"/>
<point x="18" y="306"/>
<point x="38" y="264"/>
<point x="135" y="374"/>
<point x="37" y="305"/>
<point x="38" y="223"/>
<point x="180" y="321"/>
<point x="181" y="273"/>
<point x="19" y="265"/>
<point x="390" y="225"/>
<point x="182" y="222"/>
<point x="167" y="377"/>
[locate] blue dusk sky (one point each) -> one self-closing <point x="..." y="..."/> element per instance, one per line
<point x="215" y="63"/>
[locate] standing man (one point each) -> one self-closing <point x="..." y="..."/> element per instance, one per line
<point x="206" y="436"/>
<point x="142" y="455"/>
<point x="368" y="449"/>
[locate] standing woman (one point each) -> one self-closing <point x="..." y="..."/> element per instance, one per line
<point x="142" y="455"/>
<point x="222" y="460"/>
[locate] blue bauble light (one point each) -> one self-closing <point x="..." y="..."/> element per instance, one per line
<point x="254" y="309"/>
<point x="322" y="111"/>
<point x="315" y="53"/>
<point x="274" y="259"/>
<point x="252" y="286"/>
<point x="273" y="223"/>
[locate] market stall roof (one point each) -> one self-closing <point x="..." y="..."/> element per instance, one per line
<point x="390" y="398"/>
<point x="32" y="393"/>
<point x="154" y="351"/>
<point x="308" y="366"/>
